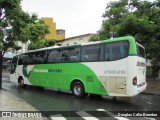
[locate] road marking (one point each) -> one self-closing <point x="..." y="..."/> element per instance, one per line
<point x="86" y="116"/>
<point x="113" y="115"/>
<point x="101" y="110"/>
<point x="58" y="117"/>
<point x="149" y="103"/>
<point x="147" y="118"/>
<point x="121" y="118"/>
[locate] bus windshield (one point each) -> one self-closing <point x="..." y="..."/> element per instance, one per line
<point x="140" y="51"/>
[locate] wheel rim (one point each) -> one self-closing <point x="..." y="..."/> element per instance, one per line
<point x="77" y="89"/>
<point x="21" y="83"/>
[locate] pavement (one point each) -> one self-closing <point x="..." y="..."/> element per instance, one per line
<point x="153" y="87"/>
<point x="17" y="108"/>
<point x="10" y="102"/>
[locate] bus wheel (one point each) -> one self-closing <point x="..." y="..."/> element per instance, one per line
<point x="78" y="89"/>
<point x="21" y="83"/>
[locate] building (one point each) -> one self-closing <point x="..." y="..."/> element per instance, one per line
<point x="7" y="60"/>
<point x="75" y="40"/>
<point x="24" y="47"/>
<point x="53" y="33"/>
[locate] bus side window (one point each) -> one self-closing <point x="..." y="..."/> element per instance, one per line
<point x="124" y="49"/>
<point x="115" y="51"/>
<point x="14" y="64"/>
<point x="91" y="53"/>
<point x="25" y="59"/>
<point x="54" y="56"/>
<point x="107" y="53"/>
<point x="71" y="55"/>
<point x="20" y="61"/>
<point x="30" y="58"/>
<point x="39" y="58"/>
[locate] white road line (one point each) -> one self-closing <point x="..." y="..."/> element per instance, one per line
<point x="101" y="109"/>
<point x="121" y="118"/>
<point x="86" y="116"/>
<point x="112" y="114"/>
<point x="58" y="117"/>
<point x="148" y="118"/>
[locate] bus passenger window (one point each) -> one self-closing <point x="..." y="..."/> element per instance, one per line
<point x="115" y="51"/>
<point x="25" y="59"/>
<point x="20" y="61"/>
<point x="71" y="55"/>
<point x="54" y="56"/>
<point x="13" y="64"/>
<point x="90" y="53"/>
<point x="30" y="59"/>
<point x="107" y="54"/>
<point x="39" y="57"/>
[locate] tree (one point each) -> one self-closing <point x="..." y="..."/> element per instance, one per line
<point x="17" y="25"/>
<point x="41" y="44"/>
<point x="50" y="43"/>
<point x="138" y="18"/>
<point x="94" y="37"/>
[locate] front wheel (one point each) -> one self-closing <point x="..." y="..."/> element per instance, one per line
<point x="21" y="83"/>
<point x="78" y="89"/>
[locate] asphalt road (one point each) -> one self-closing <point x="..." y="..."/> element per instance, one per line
<point x="64" y="103"/>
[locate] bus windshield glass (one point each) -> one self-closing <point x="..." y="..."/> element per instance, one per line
<point x="140" y="51"/>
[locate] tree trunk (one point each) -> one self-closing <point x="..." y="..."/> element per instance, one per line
<point x="1" y="60"/>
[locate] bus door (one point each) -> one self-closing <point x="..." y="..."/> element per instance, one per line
<point x="13" y="68"/>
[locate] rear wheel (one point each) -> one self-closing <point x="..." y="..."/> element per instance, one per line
<point x="78" y="89"/>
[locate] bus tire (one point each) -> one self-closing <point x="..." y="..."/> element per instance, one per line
<point x="78" y="89"/>
<point x="21" y="82"/>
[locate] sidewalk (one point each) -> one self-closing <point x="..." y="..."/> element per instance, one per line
<point x="9" y="102"/>
<point x="153" y="86"/>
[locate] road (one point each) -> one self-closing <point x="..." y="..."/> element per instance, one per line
<point x="59" y="102"/>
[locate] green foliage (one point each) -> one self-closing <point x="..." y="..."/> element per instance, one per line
<point x="41" y="44"/>
<point x="138" y="18"/>
<point x="49" y="43"/>
<point x="17" y="25"/>
<point x="94" y="38"/>
<point x="36" y="45"/>
<point x="35" y="30"/>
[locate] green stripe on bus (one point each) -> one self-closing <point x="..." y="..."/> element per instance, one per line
<point x="60" y="76"/>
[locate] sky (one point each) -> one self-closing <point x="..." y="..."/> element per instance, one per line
<point x="77" y="17"/>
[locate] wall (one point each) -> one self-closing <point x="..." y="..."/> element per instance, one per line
<point x="75" y="40"/>
<point x="52" y="30"/>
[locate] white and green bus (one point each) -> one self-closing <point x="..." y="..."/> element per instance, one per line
<point x="115" y="67"/>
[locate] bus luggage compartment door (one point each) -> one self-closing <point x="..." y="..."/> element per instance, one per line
<point x="115" y="86"/>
